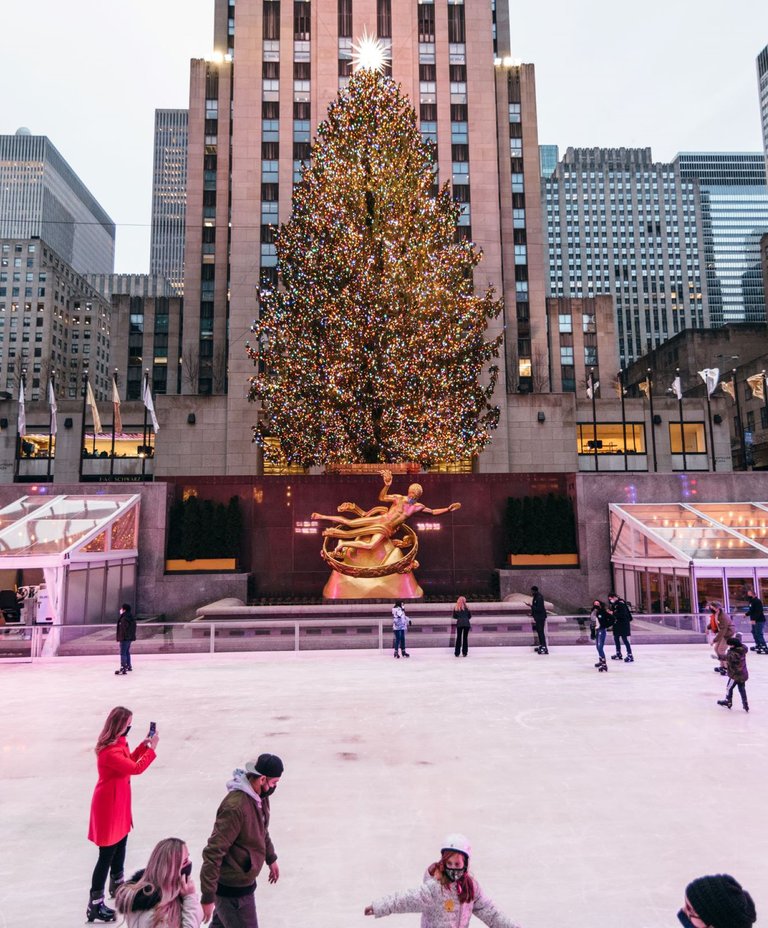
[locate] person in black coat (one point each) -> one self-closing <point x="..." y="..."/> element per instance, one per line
<point x="756" y="616"/>
<point x="126" y="633"/>
<point x="738" y="674"/>
<point x="621" y="630"/>
<point x="539" y="616"/>
<point x="462" y="618"/>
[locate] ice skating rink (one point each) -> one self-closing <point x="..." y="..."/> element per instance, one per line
<point x="590" y="799"/>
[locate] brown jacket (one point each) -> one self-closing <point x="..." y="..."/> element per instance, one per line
<point x="239" y="845"/>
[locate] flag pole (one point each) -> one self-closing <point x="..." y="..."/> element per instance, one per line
<point x="682" y="427"/>
<point x="742" y="442"/>
<point x="19" y="436"/>
<point x="623" y="418"/>
<point x="765" y="396"/>
<point x="594" y="418"/>
<point x="144" y="432"/>
<point x="82" y="427"/>
<point x="50" y="428"/>
<point x="711" y="429"/>
<point x="112" y="455"/>
<point x="653" y="425"/>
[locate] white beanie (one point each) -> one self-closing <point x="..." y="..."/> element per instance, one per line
<point x="457" y="842"/>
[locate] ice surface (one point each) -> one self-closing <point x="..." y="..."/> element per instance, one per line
<point x="590" y="799"/>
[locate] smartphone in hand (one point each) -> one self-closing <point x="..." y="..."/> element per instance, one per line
<point x="152" y="730"/>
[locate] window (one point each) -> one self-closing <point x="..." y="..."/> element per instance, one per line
<point x="608" y="438"/>
<point x="694" y="434"/>
<point x="564" y="322"/>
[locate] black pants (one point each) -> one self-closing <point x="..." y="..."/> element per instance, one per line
<point x="539" y="623"/>
<point x="732" y="684"/>
<point x="111" y="862"/>
<point x="462" y="641"/>
<point x="618" y="637"/>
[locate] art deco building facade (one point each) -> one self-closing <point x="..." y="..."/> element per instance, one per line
<point x="734" y="212"/>
<point x="619" y="223"/>
<point x="762" y="85"/>
<point x="252" y="115"/>
<point x="42" y="197"/>
<point x="169" y="197"/>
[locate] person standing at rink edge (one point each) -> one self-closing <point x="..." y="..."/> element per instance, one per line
<point x="622" y="617"/>
<point x="756" y="615"/>
<point x="539" y="616"/>
<point x="126" y="635"/>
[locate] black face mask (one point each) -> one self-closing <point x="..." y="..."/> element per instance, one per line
<point x="125" y="733"/>
<point x="187" y="870"/>
<point x="455" y="873"/>
<point x="268" y="792"/>
<point x="684" y="920"/>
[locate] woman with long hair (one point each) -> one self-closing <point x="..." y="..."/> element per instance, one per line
<point x="111" y="818"/>
<point x="600" y="620"/>
<point x="449" y="895"/>
<point x="725" y="630"/>
<point x="462" y="617"/>
<point x="163" y="894"/>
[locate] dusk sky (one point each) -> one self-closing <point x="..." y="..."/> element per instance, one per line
<point x="675" y="75"/>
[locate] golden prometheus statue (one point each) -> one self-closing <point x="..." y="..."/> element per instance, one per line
<point x="372" y="555"/>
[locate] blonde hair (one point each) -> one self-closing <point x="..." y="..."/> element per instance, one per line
<point x="162" y="876"/>
<point x="116" y="723"/>
<point x="459" y="601"/>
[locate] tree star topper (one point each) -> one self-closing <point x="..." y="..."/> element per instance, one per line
<point x="369" y="53"/>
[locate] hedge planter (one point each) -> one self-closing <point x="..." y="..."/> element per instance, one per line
<point x="208" y="565"/>
<point x="544" y="560"/>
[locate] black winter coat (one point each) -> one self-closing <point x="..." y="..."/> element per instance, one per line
<point x="462" y="618"/>
<point x="126" y="627"/>
<point x="621" y="617"/>
<point x="755" y="610"/>
<point x="538" y="609"/>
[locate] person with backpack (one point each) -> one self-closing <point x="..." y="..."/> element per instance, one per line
<point x="619" y="610"/>
<point x="400" y="622"/>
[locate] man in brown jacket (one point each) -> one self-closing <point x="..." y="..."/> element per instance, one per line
<point x="240" y="845"/>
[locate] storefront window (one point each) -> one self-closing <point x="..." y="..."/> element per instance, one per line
<point x="737" y="593"/>
<point x="35" y="445"/>
<point x="609" y="438"/>
<point x="708" y="590"/>
<point x="127" y="445"/>
<point x="695" y="438"/>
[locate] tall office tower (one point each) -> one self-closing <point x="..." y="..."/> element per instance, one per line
<point x="42" y="197"/>
<point x="622" y="224"/>
<point x="734" y="210"/>
<point x="253" y="111"/>
<point x="169" y="197"/>
<point x="762" y="84"/>
<point x="549" y="155"/>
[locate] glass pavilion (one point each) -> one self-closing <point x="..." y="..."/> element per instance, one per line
<point x="83" y="548"/>
<point x="676" y="557"/>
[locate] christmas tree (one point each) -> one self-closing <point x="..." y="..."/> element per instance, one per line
<point x="374" y="348"/>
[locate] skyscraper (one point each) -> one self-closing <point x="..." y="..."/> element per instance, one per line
<point x="42" y="197"/>
<point x="169" y="196"/>
<point x="622" y="224"/>
<point x="734" y="209"/>
<point x="549" y="155"/>
<point x="762" y="85"/>
<point x="253" y="110"/>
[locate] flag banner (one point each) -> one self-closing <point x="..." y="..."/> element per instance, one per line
<point x="147" y="397"/>
<point x="676" y="388"/>
<point x="91" y="400"/>
<point x="645" y="387"/>
<point x="729" y="387"/>
<point x="52" y="406"/>
<point x="711" y="377"/>
<point x="22" y="420"/>
<point x="592" y="386"/>
<point x="757" y="386"/>
<point x="621" y="390"/>
<point x="117" y="421"/>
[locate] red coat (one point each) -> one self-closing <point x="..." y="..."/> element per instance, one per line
<point x="111" y="804"/>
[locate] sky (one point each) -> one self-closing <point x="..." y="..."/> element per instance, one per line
<point x="675" y="75"/>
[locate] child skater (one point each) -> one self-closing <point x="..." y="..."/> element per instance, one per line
<point x="449" y="895"/>
<point x="736" y="663"/>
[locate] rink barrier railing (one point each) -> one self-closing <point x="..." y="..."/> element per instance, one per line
<point x="25" y="643"/>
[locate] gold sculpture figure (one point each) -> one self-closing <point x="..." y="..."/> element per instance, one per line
<point x="375" y="552"/>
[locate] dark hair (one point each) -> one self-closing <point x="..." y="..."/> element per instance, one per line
<point x="126" y="607"/>
<point x="399" y="602"/>
<point x="733" y="641"/>
<point x="534" y="589"/>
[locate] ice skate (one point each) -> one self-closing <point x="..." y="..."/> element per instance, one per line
<point x="724" y="702"/>
<point x="617" y="656"/>
<point x="543" y="650"/>
<point x="97" y="911"/>
<point x="602" y="665"/>
<point x="629" y="659"/>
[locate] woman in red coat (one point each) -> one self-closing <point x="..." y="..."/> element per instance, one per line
<point x="111" y="805"/>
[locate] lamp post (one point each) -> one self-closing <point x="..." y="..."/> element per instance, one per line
<point x="653" y="424"/>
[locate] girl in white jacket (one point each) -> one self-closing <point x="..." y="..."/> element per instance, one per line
<point x="162" y="895"/>
<point x="449" y="895"/>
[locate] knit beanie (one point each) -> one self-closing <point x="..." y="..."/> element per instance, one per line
<point x="267" y="765"/>
<point x="721" y="902"/>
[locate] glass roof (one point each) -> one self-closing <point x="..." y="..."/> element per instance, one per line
<point x="52" y="525"/>
<point x="691" y="531"/>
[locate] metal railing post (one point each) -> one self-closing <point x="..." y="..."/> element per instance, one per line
<point x="296" y="637"/>
<point x="212" y="648"/>
<point x="381" y="634"/>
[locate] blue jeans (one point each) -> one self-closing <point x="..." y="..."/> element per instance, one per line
<point x="399" y="640"/>
<point x="125" y="654"/>
<point x="758" y="633"/>
<point x="600" y="634"/>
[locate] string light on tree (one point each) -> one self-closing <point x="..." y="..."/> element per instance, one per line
<point x="374" y="348"/>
